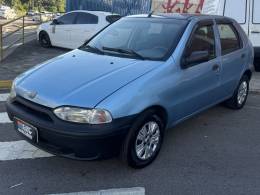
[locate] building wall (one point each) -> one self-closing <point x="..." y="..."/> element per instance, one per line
<point x="179" y="6"/>
<point x="122" y="7"/>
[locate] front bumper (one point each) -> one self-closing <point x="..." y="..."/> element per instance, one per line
<point x="77" y="141"/>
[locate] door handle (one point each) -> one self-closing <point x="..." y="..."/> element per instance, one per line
<point x="255" y="32"/>
<point x="243" y="56"/>
<point x="216" y="68"/>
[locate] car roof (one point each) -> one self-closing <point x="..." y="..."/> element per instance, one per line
<point x="95" y="12"/>
<point x="180" y="16"/>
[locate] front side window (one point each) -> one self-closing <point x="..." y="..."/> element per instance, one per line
<point x="150" y="38"/>
<point x="67" y="19"/>
<point x="86" y="18"/>
<point x="203" y="40"/>
<point x="229" y="38"/>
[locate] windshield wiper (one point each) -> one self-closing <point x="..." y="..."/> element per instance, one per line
<point x="92" y="48"/>
<point x="125" y="51"/>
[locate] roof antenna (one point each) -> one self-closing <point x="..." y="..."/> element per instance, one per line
<point x="152" y="12"/>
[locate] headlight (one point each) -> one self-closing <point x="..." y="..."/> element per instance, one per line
<point x="80" y="115"/>
<point x="12" y="94"/>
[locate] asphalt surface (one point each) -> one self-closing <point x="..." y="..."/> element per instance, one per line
<point x="215" y="152"/>
<point x="25" y="57"/>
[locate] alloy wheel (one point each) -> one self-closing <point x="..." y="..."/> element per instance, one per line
<point x="147" y="140"/>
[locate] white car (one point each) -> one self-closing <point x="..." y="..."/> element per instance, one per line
<point x="73" y="28"/>
<point x="245" y="12"/>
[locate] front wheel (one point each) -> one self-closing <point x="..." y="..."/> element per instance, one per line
<point x="239" y="98"/>
<point x="143" y="141"/>
<point x="44" y="40"/>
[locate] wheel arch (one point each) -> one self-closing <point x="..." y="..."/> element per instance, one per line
<point x="248" y="73"/>
<point x="44" y="32"/>
<point x="161" y="111"/>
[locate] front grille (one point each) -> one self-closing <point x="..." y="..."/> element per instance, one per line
<point x="33" y="109"/>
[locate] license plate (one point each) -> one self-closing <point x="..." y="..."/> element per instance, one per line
<point x="27" y="130"/>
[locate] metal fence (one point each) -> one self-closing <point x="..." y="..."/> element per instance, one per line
<point x="18" y="27"/>
<point x="122" y="7"/>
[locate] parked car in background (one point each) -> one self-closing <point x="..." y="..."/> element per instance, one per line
<point x="245" y="12"/>
<point x="42" y="17"/>
<point x="119" y="91"/>
<point x="7" y="12"/>
<point x="74" y="28"/>
<point x="31" y="13"/>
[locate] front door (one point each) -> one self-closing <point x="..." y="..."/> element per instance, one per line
<point x="61" y="32"/>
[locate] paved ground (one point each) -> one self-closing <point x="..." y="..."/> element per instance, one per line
<point x="216" y="152"/>
<point x="25" y="57"/>
<point x="9" y="39"/>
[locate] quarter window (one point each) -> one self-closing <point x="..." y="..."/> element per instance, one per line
<point x="67" y="19"/>
<point x="86" y="18"/>
<point x="203" y="40"/>
<point x="229" y="38"/>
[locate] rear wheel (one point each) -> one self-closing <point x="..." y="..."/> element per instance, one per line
<point x="44" y="40"/>
<point x="239" y="98"/>
<point x="143" y="141"/>
<point x="257" y="64"/>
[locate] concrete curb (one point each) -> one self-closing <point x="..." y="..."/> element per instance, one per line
<point x="5" y="84"/>
<point x="253" y="91"/>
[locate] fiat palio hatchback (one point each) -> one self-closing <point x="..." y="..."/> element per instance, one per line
<point x="119" y="91"/>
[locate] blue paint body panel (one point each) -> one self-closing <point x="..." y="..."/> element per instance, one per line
<point x="126" y="87"/>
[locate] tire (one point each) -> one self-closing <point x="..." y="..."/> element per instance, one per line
<point x="44" y="40"/>
<point x="257" y="64"/>
<point x="129" y="152"/>
<point x="241" y="91"/>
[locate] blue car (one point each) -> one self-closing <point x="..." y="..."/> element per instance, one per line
<point x="119" y="91"/>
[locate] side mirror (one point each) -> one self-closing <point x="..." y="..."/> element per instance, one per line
<point x="196" y="57"/>
<point x="55" y="22"/>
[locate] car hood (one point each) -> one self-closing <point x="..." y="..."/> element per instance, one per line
<point x="80" y="78"/>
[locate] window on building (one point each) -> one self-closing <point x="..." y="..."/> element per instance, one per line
<point x="256" y="12"/>
<point x="236" y="9"/>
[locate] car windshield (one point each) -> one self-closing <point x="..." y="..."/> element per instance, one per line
<point x="142" y="38"/>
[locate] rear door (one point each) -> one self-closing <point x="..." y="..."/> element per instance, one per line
<point x="233" y="56"/>
<point x="61" y="33"/>
<point x="254" y="32"/>
<point x="200" y="82"/>
<point x="85" y="27"/>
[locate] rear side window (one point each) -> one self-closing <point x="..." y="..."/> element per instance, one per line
<point x="203" y="40"/>
<point x="229" y="38"/>
<point x="67" y="18"/>
<point x="86" y="18"/>
<point x="236" y="9"/>
<point x="112" y="18"/>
